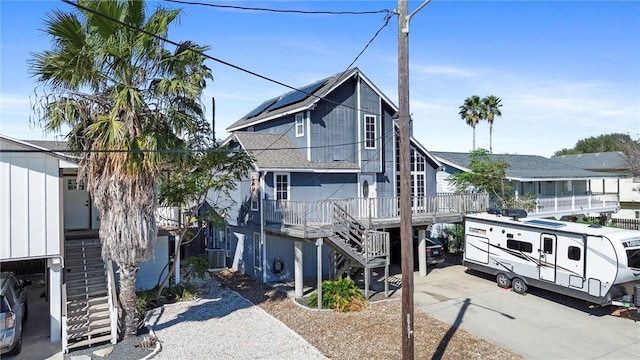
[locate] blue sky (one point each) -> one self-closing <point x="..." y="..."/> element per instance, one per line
<point x="565" y="71"/>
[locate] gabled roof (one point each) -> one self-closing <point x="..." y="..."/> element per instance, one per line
<point x="602" y="161"/>
<point x="525" y="167"/>
<point x="299" y="100"/>
<point x="56" y="149"/>
<point x="277" y="152"/>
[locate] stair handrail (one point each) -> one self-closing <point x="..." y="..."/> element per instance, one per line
<point x="342" y="217"/>
<point x="113" y="301"/>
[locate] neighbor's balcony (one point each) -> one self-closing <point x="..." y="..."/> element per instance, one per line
<point x="167" y="217"/>
<point x="575" y="205"/>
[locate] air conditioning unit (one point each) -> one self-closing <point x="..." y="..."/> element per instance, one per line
<point x="217" y="258"/>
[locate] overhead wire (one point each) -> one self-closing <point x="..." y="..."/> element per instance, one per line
<point x="308" y="12"/>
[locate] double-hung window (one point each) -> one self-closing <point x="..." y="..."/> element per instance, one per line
<point x="299" y="124"/>
<point x="369" y="132"/>
<point x="257" y="251"/>
<point x="281" y="188"/>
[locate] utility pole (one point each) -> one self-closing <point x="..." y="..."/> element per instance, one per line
<point x="406" y="229"/>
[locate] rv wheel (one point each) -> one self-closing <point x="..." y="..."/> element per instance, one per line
<point x="503" y="280"/>
<point x="519" y="286"/>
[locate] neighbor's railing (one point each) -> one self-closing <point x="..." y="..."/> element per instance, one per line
<point x="167" y="216"/>
<point x="576" y="203"/>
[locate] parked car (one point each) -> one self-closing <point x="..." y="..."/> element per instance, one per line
<point x="15" y="310"/>
<point x="435" y="252"/>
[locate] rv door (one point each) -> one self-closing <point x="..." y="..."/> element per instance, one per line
<point x="547" y="264"/>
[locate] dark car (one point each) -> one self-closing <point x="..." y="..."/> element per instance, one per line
<point x="14" y="312"/>
<point x="435" y="252"/>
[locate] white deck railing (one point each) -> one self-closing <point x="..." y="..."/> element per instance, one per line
<point x="578" y="204"/>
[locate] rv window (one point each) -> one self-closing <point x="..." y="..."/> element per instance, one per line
<point x="520" y="245"/>
<point x="633" y="258"/>
<point x="548" y="246"/>
<point x="574" y="253"/>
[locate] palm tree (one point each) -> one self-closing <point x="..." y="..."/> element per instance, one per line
<point x="491" y="107"/>
<point x="471" y="112"/>
<point x="125" y="99"/>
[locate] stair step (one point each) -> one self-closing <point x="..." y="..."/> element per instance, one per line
<point x="87" y="309"/>
<point x="89" y="333"/>
<point x="81" y="322"/>
<point x="90" y="341"/>
<point x="86" y="287"/>
<point x="82" y="277"/>
<point x="70" y="242"/>
<point x="89" y="302"/>
<point x="87" y="294"/>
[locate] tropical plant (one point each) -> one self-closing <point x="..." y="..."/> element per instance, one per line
<point x="455" y="238"/>
<point x="491" y="108"/>
<point x="201" y="186"/>
<point x="341" y="294"/>
<point x="126" y="100"/>
<point x="485" y="176"/>
<point x="472" y="113"/>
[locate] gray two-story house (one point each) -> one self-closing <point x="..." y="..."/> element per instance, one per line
<point x="323" y="196"/>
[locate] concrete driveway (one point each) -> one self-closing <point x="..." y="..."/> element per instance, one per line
<point x="537" y="325"/>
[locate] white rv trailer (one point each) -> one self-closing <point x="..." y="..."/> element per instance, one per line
<point x="589" y="262"/>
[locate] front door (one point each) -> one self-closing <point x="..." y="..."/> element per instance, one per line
<point x="367" y="194"/>
<point x="547" y="265"/>
<point x="77" y="203"/>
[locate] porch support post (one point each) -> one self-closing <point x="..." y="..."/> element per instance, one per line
<point x="299" y="286"/>
<point x="367" y="275"/>
<point x="319" y="260"/>
<point x="422" y="251"/>
<point x="55" y="298"/>
<point x="386" y="280"/>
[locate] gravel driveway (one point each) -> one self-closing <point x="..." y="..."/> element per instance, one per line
<point x="224" y="325"/>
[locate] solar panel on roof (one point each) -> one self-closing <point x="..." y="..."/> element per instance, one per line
<point x="545" y="223"/>
<point x="260" y="108"/>
<point x="296" y="96"/>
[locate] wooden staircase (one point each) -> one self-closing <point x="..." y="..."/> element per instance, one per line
<point x="358" y="247"/>
<point x="90" y="314"/>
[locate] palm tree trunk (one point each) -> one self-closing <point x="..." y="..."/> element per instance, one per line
<point x="490" y="138"/>
<point x="474" y="138"/>
<point x="128" y="299"/>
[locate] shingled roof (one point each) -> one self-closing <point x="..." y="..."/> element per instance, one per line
<point x="277" y="152"/>
<point x="525" y="167"/>
<point x="602" y="161"/>
<point x="299" y="100"/>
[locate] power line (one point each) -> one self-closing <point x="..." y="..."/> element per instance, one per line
<point x="321" y="12"/>
<point x="223" y="62"/>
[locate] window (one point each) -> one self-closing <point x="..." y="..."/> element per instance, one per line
<point x="250" y="129"/>
<point x="520" y="246"/>
<point x="369" y="132"/>
<point x="633" y="258"/>
<point x="282" y="186"/>
<point x="257" y="251"/>
<point x="547" y="247"/>
<point x="299" y="124"/>
<point x="574" y="253"/>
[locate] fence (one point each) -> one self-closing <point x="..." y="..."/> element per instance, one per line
<point x="629" y="224"/>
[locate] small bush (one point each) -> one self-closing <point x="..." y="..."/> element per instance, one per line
<point x="184" y="292"/>
<point x="143" y="300"/>
<point x="195" y="267"/>
<point x="341" y="295"/>
<point x="456" y="238"/>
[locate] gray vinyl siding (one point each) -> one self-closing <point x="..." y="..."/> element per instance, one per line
<point x="314" y="187"/>
<point x="284" y="125"/>
<point x="371" y="161"/>
<point x="334" y="128"/>
<point x="285" y="250"/>
<point x="239" y="212"/>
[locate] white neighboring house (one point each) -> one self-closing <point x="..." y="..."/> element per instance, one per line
<point x="627" y="185"/>
<point x="44" y="207"/>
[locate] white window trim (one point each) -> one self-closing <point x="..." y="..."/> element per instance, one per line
<point x="375" y="131"/>
<point x="275" y="185"/>
<point x="227" y="240"/>
<point x="299" y="124"/>
<point x="257" y="250"/>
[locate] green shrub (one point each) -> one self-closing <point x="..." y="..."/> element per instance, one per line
<point x="341" y="295"/>
<point x="143" y="299"/>
<point x="195" y="267"/>
<point x="183" y="292"/>
<point x="456" y="238"/>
